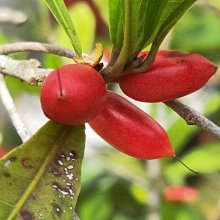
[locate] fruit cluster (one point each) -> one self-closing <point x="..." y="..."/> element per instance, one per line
<point x="76" y="93"/>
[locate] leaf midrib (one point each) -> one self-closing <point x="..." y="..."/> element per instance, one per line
<point x="64" y="132"/>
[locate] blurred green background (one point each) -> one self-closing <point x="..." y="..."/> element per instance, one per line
<point x="116" y="186"/>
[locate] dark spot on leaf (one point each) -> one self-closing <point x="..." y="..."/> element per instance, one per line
<point x="26" y="162"/>
<point x="68" y="190"/>
<point x="26" y="215"/>
<point x="55" y="172"/>
<point x="12" y="159"/>
<point x="73" y="155"/>
<point x="7" y="174"/>
<point x="57" y="209"/>
<point x="58" y="160"/>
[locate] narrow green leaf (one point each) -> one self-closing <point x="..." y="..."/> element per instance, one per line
<point x="41" y="178"/>
<point x="149" y="16"/>
<point x="116" y="23"/>
<point x="60" y="12"/>
<point x="81" y="23"/>
<point x="176" y="10"/>
<point x="149" y="21"/>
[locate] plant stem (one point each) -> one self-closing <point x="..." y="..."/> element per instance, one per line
<point x="12" y="111"/>
<point x="118" y="66"/>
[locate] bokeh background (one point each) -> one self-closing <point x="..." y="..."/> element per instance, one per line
<point x="116" y="186"/>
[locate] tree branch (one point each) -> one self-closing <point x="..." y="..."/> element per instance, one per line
<point x="10" y="16"/>
<point x="26" y="70"/>
<point x="12" y="111"/>
<point x="192" y="117"/>
<point x="38" y="47"/>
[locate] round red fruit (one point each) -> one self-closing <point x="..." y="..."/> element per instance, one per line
<point x="73" y="94"/>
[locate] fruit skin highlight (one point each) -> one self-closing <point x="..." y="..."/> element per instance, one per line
<point x="73" y="94"/>
<point x="131" y="130"/>
<point x="174" y="74"/>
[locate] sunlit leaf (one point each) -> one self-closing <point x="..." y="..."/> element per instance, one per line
<point x="84" y="22"/>
<point x="60" y="12"/>
<point x="41" y="178"/>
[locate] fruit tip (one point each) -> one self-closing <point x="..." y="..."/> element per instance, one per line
<point x="193" y="171"/>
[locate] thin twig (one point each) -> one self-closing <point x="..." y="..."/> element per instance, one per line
<point x="26" y="70"/>
<point x="192" y="117"/>
<point x="12" y="111"/>
<point x="10" y="16"/>
<point x="38" y="47"/>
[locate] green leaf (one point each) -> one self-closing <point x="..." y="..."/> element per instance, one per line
<point x="41" y="178"/>
<point x="60" y="12"/>
<point x="199" y="31"/>
<point x="204" y="159"/>
<point x="116" y="20"/>
<point x="180" y="132"/>
<point x="84" y="21"/>
<point x="149" y="21"/>
<point x="172" y="13"/>
<point x="182" y="211"/>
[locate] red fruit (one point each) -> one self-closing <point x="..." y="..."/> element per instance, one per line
<point x="180" y="194"/>
<point x="174" y="74"/>
<point x="3" y="151"/>
<point x="73" y="94"/>
<point x="131" y="130"/>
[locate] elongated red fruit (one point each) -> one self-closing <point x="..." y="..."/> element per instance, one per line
<point x="73" y="94"/>
<point x="131" y="130"/>
<point x="174" y="74"/>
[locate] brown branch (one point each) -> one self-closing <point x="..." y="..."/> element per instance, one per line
<point x="192" y="117"/>
<point x="26" y="70"/>
<point x="38" y="47"/>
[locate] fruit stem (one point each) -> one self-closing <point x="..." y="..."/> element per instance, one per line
<point x="59" y="81"/>
<point x="175" y="157"/>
